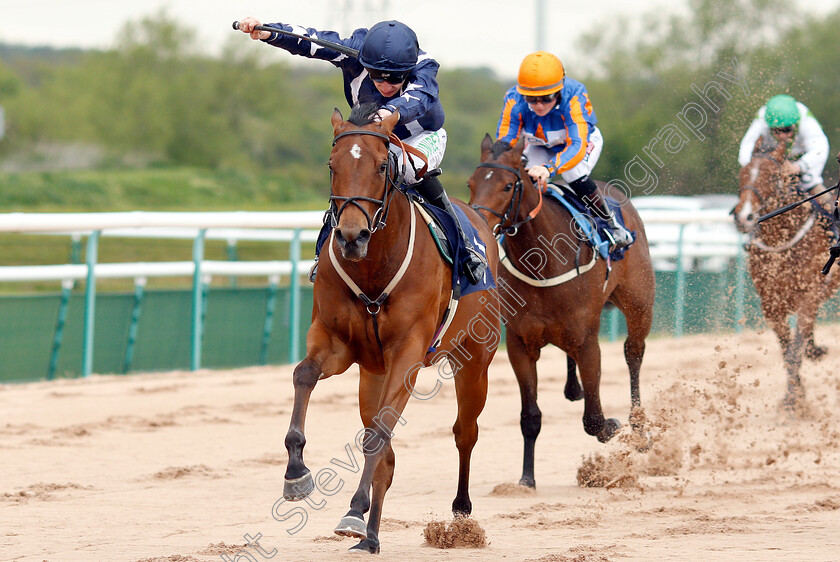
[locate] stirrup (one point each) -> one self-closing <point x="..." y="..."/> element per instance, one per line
<point x="313" y="271"/>
<point x="474" y="266"/>
<point x="621" y="237"/>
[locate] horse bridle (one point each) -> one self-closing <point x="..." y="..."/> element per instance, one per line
<point x="752" y="188"/>
<point x="513" y="207"/>
<point x="754" y="238"/>
<point x="392" y="182"/>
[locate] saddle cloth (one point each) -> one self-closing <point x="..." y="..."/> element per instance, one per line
<point x="455" y="246"/>
<point x="584" y="218"/>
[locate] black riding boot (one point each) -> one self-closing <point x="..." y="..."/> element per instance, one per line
<point x="431" y="189"/>
<point x="588" y="191"/>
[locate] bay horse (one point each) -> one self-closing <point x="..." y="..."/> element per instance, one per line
<point x="785" y="256"/>
<point x="560" y="297"/>
<point x="389" y="337"/>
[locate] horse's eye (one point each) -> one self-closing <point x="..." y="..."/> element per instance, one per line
<point x="383" y="167"/>
<point x="508" y="187"/>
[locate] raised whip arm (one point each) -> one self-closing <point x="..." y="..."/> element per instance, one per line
<point x="350" y="52"/>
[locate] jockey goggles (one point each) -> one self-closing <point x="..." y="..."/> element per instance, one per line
<point x="541" y="99"/>
<point x="385" y="76"/>
<point x="787" y="129"/>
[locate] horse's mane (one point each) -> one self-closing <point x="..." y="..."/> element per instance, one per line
<point x="363" y="113"/>
<point x="764" y="146"/>
<point x="500" y="147"/>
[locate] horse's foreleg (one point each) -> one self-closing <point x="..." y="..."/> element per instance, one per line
<point x="589" y="360"/>
<point x="471" y="392"/>
<point x="390" y="395"/>
<point x="530" y="420"/>
<point x="298" y="480"/>
<point x="791" y="344"/>
<point x="793" y="362"/>
<point x="370" y="395"/>
<point x="572" y="391"/>
<point x="806" y="318"/>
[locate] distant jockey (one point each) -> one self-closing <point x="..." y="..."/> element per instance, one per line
<point x="786" y="120"/>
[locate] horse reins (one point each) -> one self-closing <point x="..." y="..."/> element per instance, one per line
<point x="754" y="240"/>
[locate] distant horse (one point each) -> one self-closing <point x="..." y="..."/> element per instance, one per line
<point x="560" y="303"/>
<point x="786" y="254"/>
<point x="388" y="336"/>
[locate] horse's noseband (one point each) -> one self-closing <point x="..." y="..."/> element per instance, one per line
<point x="391" y="181"/>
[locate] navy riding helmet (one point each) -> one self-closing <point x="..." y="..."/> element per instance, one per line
<point x="390" y="46"/>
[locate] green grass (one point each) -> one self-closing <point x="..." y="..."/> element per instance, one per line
<point x="161" y="189"/>
<point x="156" y="189"/>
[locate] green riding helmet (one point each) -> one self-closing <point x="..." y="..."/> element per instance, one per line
<point x="781" y="111"/>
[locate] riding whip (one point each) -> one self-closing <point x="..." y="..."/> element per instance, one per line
<point x="834" y="251"/>
<point x="350" y="52"/>
<point x="787" y="208"/>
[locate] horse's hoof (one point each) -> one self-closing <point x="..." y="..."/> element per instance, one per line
<point x="573" y="394"/>
<point x="352" y="526"/>
<point x="815" y="352"/>
<point x="611" y="426"/>
<point x="528" y="481"/>
<point x="367" y="545"/>
<point x="296" y="489"/>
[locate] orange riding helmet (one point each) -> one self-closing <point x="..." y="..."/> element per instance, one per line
<point x="540" y="74"/>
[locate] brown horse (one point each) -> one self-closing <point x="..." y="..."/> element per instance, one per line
<point x="558" y="289"/>
<point x="388" y="337"/>
<point x="785" y="256"/>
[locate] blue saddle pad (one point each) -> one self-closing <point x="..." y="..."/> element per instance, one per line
<point x="595" y="237"/>
<point x="458" y="251"/>
<point x="456" y="245"/>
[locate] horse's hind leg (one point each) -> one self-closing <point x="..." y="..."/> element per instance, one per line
<point x="471" y="392"/>
<point x="589" y="359"/>
<point x="530" y="420"/>
<point x="639" y="317"/>
<point x="572" y="391"/>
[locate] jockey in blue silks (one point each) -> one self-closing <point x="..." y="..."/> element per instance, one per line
<point x="394" y="73"/>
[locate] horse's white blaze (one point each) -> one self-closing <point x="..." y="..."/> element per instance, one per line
<point x="753" y="173"/>
<point x="746" y="211"/>
<point x="489" y="175"/>
<point x="356" y="151"/>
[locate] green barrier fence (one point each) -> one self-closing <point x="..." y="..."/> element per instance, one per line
<point x="251" y="326"/>
<point x="235" y="331"/>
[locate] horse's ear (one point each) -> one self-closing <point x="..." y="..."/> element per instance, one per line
<point x="519" y="148"/>
<point x="391" y="121"/>
<point x="486" y="142"/>
<point x="336" y="119"/>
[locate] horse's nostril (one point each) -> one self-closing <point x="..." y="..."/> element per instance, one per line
<point x="363" y="237"/>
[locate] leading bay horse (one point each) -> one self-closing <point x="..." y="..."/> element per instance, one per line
<point x="558" y="290"/>
<point x="380" y="298"/>
<point x="785" y="256"/>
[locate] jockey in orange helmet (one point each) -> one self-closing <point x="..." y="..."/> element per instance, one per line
<point x="554" y="116"/>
